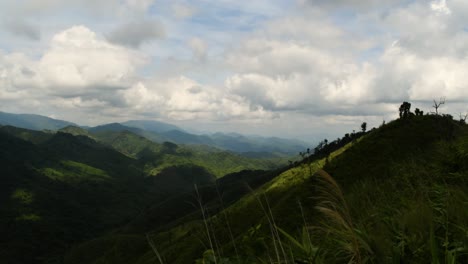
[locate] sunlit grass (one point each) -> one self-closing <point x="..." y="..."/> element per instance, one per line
<point x="74" y="171"/>
<point x="23" y="196"/>
<point x="28" y="217"/>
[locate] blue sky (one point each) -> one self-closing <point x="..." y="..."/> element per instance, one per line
<point x="305" y="68"/>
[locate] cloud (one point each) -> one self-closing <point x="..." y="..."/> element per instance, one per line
<point x="134" y="34"/>
<point x="181" y="98"/>
<point x="140" y="99"/>
<point x="183" y="11"/>
<point x="23" y="29"/>
<point x="77" y="62"/>
<point x="422" y="78"/>
<point x="199" y="48"/>
<point x="350" y="4"/>
<point x="334" y="62"/>
<point x="289" y="68"/>
<point x="301" y="65"/>
<point x="139" y="5"/>
<point x="440" y="7"/>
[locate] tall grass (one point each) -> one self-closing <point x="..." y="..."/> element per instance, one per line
<point x="205" y="221"/>
<point x="338" y="226"/>
<point x="153" y="248"/>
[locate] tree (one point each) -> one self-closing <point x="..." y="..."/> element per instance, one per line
<point x="437" y="105"/>
<point x="364" y="127"/>
<point x="418" y="112"/>
<point x="405" y="110"/>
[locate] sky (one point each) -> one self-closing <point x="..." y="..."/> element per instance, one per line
<point x="306" y="69"/>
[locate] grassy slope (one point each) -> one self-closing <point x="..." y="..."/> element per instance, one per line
<point x="415" y="208"/>
<point x="405" y="185"/>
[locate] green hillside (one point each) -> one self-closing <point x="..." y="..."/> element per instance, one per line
<point x="400" y="196"/>
<point x="62" y="191"/>
<point x="74" y="130"/>
<point x="155" y="157"/>
<point x="59" y="189"/>
<point x="28" y="135"/>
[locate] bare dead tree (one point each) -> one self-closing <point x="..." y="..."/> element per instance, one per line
<point x="438" y="104"/>
<point x="463" y="118"/>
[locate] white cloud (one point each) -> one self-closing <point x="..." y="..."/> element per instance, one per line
<point x="140" y="99"/>
<point x="286" y="68"/>
<point x="335" y="62"/>
<point x="78" y="59"/>
<point x="181" y="98"/>
<point x="425" y="78"/>
<point x="440" y="7"/>
<point x="78" y="66"/>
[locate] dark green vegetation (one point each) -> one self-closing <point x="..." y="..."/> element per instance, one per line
<point x="58" y="189"/>
<point x="396" y="194"/>
<point x="399" y="194"/>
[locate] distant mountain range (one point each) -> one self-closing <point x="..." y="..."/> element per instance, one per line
<point x="34" y="122"/>
<point x="160" y="132"/>
<point x="150" y="125"/>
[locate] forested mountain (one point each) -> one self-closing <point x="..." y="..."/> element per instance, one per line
<point x="397" y="194"/>
<point x="30" y="121"/>
<point x="61" y="188"/>
<point x="160" y="132"/>
<point x="248" y="145"/>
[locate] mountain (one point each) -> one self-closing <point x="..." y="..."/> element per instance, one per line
<point x="239" y="143"/>
<point x="114" y="127"/>
<point x="62" y="188"/>
<point x="250" y="146"/>
<point x="151" y="125"/>
<point x="156" y="157"/>
<point x="181" y="137"/>
<point x="397" y="194"/>
<point x="74" y="130"/>
<point x="34" y="122"/>
<point x="33" y="136"/>
<point x="60" y="191"/>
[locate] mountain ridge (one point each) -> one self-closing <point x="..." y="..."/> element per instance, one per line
<point x="160" y="132"/>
